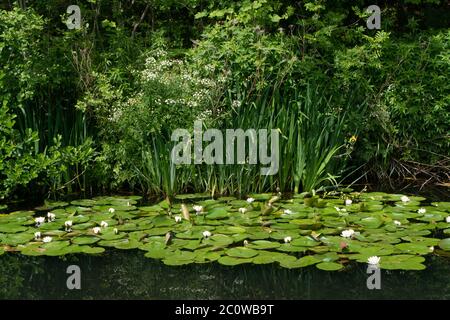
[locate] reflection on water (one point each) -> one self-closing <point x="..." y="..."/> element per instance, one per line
<point x="128" y="275"/>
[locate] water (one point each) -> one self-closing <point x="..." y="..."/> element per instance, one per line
<point x="129" y="275"/>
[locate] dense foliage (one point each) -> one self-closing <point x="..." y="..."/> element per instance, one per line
<point x="94" y="108"/>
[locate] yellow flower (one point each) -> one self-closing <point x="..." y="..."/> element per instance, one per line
<point x="353" y="139"/>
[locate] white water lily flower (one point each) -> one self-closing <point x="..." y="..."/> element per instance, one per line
<point x="245" y="242"/>
<point x="250" y="200"/>
<point x="37" y="235"/>
<point x="431" y="249"/>
<point x="338" y="209"/>
<point x="422" y="210"/>
<point x="68" y="225"/>
<point x="111" y="210"/>
<point x="104" y="224"/>
<point x="39" y="221"/>
<point x="347" y="233"/>
<point x="374" y="260"/>
<point x="397" y="223"/>
<point x="287" y="211"/>
<point x="405" y="199"/>
<point x="447" y="219"/>
<point x="96" y="230"/>
<point x="348" y="202"/>
<point x="287" y="239"/>
<point x="51" y="216"/>
<point x="206" y="234"/>
<point x="47" y="239"/>
<point x="198" y="208"/>
<point x="116" y="231"/>
<point x="242" y="210"/>
<point x="178" y="219"/>
<point x="128" y="204"/>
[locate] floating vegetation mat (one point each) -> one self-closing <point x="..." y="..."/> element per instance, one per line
<point x="391" y="230"/>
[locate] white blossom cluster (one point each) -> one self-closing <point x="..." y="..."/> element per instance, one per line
<point x="197" y="90"/>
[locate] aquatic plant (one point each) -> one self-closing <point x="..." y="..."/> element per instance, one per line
<point x="376" y="228"/>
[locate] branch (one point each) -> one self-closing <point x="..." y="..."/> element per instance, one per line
<point x="136" y="25"/>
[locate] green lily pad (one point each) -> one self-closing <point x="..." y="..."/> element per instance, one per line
<point x="287" y="247"/>
<point x="241" y="252"/>
<point x="329" y="266"/>
<point x="263" y="245"/>
<point x="413" y="248"/>
<point x="263" y="259"/>
<point x="304" y="242"/>
<point x="14" y="239"/>
<point x="218" y="213"/>
<point x="126" y="244"/>
<point x="207" y="257"/>
<point x="85" y="240"/>
<point x="445" y="244"/>
<point x="402" y="262"/>
<point x="91" y="250"/>
<point x="12" y="228"/>
<point x="83" y="226"/>
<point x="233" y="261"/>
<point x="219" y="240"/>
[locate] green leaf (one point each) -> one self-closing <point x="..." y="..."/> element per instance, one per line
<point x="329" y="266"/>
<point x="241" y="252"/>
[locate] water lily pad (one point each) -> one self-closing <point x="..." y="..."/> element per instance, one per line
<point x="413" y="248"/>
<point x="299" y="263"/>
<point x="12" y="228"/>
<point x="32" y="250"/>
<point x="422" y="240"/>
<point x="126" y="244"/>
<point x="179" y="258"/>
<point x="371" y="222"/>
<point x="162" y="221"/>
<point x="207" y="257"/>
<point x="287" y="247"/>
<point x="304" y="242"/>
<point x="55" y="245"/>
<point x="83" y="226"/>
<point x="91" y="250"/>
<point x="233" y="261"/>
<point x="111" y="235"/>
<point x="263" y="245"/>
<point x="329" y="266"/>
<point x="263" y="259"/>
<point x="241" y="252"/>
<point x="445" y="244"/>
<point x="306" y="223"/>
<point x="402" y="262"/>
<point x="219" y="240"/>
<point x="157" y="254"/>
<point x="85" y="240"/>
<point x="218" y="213"/>
<point x="14" y="239"/>
<point x="327" y="257"/>
<point x="260" y="235"/>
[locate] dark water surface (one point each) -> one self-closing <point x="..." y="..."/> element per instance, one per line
<point x="129" y="275"/>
